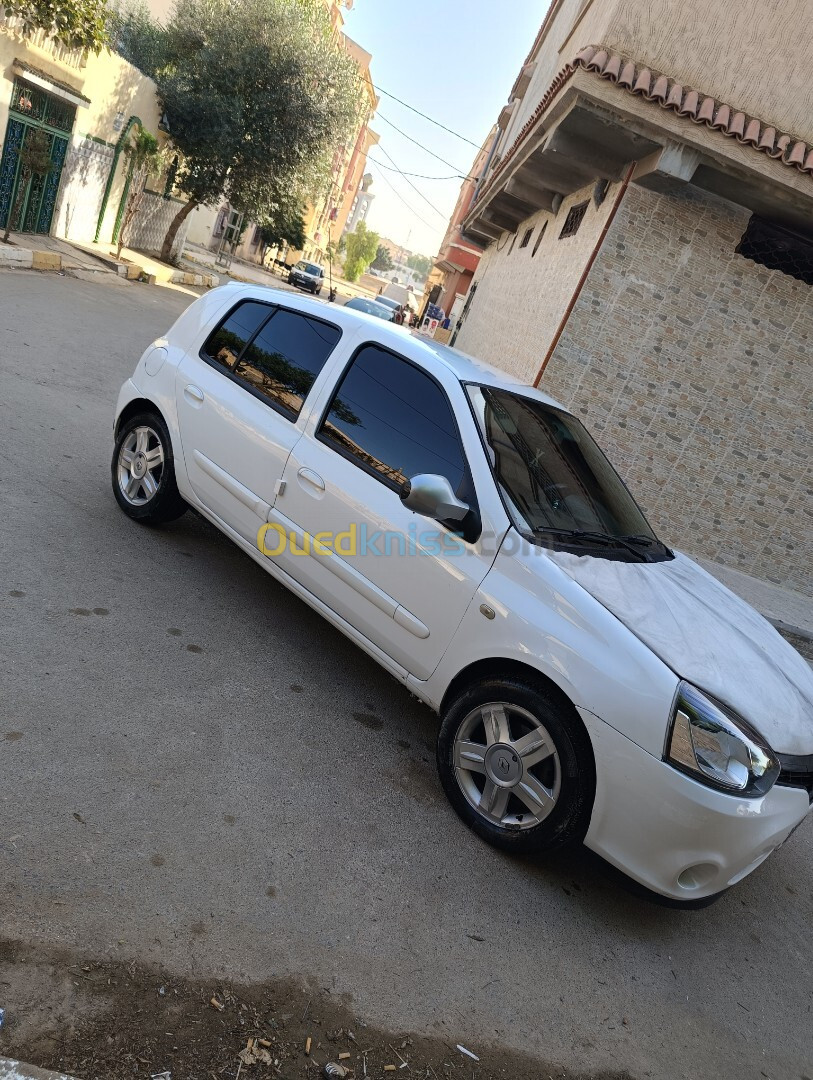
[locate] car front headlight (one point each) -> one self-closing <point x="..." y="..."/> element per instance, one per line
<point x="713" y="745"/>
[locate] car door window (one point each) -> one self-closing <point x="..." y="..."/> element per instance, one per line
<point x="234" y="333"/>
<point x="285" y="357"/>
<point x="394" y="421"/>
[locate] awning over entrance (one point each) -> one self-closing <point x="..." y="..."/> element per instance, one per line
<point x="47" y="82"/>
<point x="449" y="267"/>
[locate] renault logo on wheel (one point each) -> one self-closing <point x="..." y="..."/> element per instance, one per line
<point x="503" y="764"/>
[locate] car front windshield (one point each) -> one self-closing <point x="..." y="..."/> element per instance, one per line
<point x="308" y="268"/>
<point x="553" y="475"/>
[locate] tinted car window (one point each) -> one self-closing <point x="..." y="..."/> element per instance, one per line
<point x="228" y="341"/>
<point x="394" y="420"/>
<point x="283" y="360"/>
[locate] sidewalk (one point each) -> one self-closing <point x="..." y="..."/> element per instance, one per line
<point x="195" y="255"/>
<point x="16" y="1070"/>
<point x="36" y="252"/>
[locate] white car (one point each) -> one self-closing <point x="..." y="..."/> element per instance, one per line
<point x="467" y="532"/>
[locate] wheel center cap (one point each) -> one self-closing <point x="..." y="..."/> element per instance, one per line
<point x="139" y="466"/>
<point x="503" y="765"/>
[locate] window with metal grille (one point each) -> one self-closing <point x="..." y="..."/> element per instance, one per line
<point x="526" y="239"/>
<point x="575" y="216"/>
<point x="778" y="248"/>
<point x="539" y="236"/>
<point x="31" y="103"/>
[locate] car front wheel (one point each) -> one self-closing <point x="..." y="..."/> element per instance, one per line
<point x="517" y="765"/>
<point x="143" y="469"/>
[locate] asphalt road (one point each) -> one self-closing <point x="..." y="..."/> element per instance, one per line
<point x="196" y="769"/>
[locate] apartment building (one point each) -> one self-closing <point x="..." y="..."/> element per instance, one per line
<point x="647" y="217"/>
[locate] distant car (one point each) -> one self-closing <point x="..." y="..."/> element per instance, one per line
<point x="371" y="307"/>
<point x="307" y="275"/>
<point x="388" y="302"/>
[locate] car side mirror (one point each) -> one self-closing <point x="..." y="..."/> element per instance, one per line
<point x="431" y="495"/>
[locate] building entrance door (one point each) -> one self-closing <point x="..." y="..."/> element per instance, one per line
<point x="33" y="109"/>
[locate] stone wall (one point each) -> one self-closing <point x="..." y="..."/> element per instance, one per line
<point x="690" y="364"/>
<point x="521" y="296"/>
<point x="151" y="224"/>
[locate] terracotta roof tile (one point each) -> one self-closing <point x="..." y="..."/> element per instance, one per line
<point x="669" y="94"/>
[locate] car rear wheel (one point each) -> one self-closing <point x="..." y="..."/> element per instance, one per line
<point x="517" y="766"/>
<point x="143" y="471"/>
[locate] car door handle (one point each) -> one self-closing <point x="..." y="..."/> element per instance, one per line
<point x="193" y="394"/>
<point x="312" y="478"/>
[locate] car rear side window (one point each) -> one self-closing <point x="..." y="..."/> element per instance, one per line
<point x="284" y="358"/>
<point x="234" y="333"/>
<point x="394" y="420"/>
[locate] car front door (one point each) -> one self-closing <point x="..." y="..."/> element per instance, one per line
<point x="239" y="404"/>
<point x="340" y="528"/>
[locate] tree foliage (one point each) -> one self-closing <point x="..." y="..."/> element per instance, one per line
<point x="258" y="94"/>
<point x="383" y="259"/>
<point x="361" y="249"/>
<point x="136" y="37"/>
<point x="420" y="264"/>
<point x="76" y="24"/>
<point x="284" y="223"/>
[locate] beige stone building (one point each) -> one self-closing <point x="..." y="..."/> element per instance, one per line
<point x="87" y="105"/>
<point x="648" y="215"/>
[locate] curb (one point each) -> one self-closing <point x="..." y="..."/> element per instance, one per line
<point x="15" y="258"/>
<point x="788" y="628"/>
<point x="18" y="1070"/>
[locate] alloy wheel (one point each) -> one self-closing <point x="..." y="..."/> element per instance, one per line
<point x="140" y="465"/>
<point x="507" y="765"/>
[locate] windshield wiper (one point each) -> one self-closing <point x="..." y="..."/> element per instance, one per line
<point x="626" y="542"/>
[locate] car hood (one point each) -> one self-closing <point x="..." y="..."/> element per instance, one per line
<point x="708" y="636"/>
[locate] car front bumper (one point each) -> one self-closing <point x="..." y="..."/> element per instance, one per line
<point x="673" y="834"/>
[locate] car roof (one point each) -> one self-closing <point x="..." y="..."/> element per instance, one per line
<point x="365" y="300"/>
<point x="409" y="343"/>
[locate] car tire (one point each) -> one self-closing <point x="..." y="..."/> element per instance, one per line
<point x="143" y="471"/>
<point x="531" y="787"/>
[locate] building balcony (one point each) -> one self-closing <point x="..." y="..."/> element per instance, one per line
<point x="590" y="129"/>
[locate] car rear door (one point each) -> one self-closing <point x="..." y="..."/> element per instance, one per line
<point x="240" y="404"/>
<point x="340" y="528"/>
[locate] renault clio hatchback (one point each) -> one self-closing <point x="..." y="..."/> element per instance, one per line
<point x="468" y="533"/>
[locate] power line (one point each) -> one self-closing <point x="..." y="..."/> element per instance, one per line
<point x="420" y="176"/>
<point x="431" y="205"/>
<point x="395" y="190"/>
<point x="380" y="116"/>
<point x="431" y="119"/>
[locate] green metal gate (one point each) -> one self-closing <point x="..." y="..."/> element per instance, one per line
<point x="33" y="109"/>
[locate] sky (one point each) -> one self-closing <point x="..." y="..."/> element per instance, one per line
<point x="456" y="61"/>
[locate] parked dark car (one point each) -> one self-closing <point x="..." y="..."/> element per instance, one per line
<point x="371" y="307"/>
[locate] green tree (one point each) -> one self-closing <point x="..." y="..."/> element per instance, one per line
<point x="383" y="259"/>
<point x="285" y="225"/>
<point x="147" y="160"/>
<point x="137" y="37"/>
<point x="35" y="160"/>
<point x="362" y="246"/>
<point x="257" y="95"/>
<point x="420" y="264"/>
<point x="76" y="24"/>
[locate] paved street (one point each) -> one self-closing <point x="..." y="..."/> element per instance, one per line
<point x="197" y="771"/>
